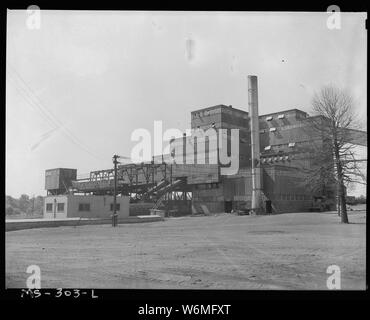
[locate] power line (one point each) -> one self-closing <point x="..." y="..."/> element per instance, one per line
<point x="54" y="125"/>
<point x="47" y="114"/>
<point x="40" y="105"/>
<point x="31" y="103"/>
<point x="32" y="96"/>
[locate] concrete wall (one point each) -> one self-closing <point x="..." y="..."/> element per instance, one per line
<point x="54" y="200"/>
<point x="285" y="188"/>
<point x="140" y="209"/>
<point x="227" y="118"/>
<point x="282" y="185"/>
<point x="207" y="207"/>
<point x="99" y="206"/>
<point x="285" y="206"/>
<point x="209" y="195"/>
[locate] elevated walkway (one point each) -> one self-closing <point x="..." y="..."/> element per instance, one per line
<point x="165" y="190"/>
<point x="154" y="189"/>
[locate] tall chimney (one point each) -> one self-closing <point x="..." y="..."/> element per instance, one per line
<point x="255" y="144"/>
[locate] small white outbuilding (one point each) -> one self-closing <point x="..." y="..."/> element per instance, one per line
<point x="84" y="206"/>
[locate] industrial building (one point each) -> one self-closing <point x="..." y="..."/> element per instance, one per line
<point x="60" y="204"/>
<point x="273" y="148"/>
<point x="81" y="206"/>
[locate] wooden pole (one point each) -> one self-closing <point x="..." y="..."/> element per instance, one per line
<point x="114" y="217"/>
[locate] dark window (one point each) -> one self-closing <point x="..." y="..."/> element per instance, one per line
<point x="60" y="207"/>
<point x="49" y="207"/>
<point x="84" y="207"/>
<point x="118" y="206"/>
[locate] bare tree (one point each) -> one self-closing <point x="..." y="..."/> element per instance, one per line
<point x="332" y="158"/>
<point x="318" y="166"/>
<point x="319" y="172"/>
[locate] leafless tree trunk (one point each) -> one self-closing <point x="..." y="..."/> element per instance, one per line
<point x="333" y="123"/>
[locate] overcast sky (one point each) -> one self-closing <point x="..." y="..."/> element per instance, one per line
<point x="78" y="86"/>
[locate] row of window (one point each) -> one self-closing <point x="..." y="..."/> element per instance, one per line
<point x="298" y="115"/>
<point x="280" y="116"/>
<point x="283" y="145"/>
<point x="276" y="159"/>
<point x="81" y="207"/>
<point x="204" y="186"/>
<point x="60" y="207"/>
<point x="285" y="127"/>
<point x="288" y="196"/>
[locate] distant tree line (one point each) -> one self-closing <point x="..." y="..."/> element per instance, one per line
<point x="357" y="200"/>
<point x="24" y="205"/>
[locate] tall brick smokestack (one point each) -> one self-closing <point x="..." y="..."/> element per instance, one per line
<point x="255" y="144"/>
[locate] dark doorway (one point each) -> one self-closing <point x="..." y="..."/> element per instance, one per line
<point x="268" y="206"/>
<point x="228" y="206"/>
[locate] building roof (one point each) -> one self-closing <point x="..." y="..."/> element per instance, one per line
<point x="284" y="111"/>
<point x="61" y="169"/>
<point x="220" y="106"/>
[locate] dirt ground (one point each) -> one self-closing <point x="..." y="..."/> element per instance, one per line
<point x="287" y="251"/>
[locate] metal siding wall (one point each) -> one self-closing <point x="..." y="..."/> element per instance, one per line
<point x="52" y="179"/>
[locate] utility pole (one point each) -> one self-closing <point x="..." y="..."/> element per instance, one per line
<point x="114" y="216"/>
<point x="33" y="204"/>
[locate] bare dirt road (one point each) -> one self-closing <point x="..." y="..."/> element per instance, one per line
<point x="287" y="251"/>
